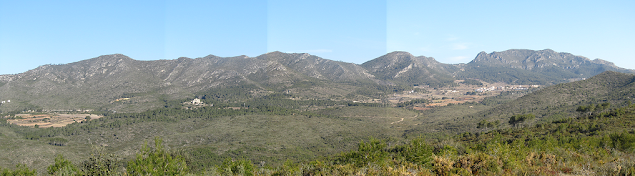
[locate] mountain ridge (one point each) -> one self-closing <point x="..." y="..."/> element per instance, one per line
<point x="406" y="68"/>
<point x="95" y="83"/>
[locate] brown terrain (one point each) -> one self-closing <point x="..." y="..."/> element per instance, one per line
<point x="49" y="120"/>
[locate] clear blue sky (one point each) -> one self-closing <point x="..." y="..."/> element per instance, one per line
<point x="34" y="33"/>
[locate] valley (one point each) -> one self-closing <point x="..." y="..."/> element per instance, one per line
<point x="294" y="113"/>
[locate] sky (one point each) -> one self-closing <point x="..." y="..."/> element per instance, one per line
<point x="34" y="33"/>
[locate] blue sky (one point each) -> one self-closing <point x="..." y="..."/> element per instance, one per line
<point x="35" y="33"/>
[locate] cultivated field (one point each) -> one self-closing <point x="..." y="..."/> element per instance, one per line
<point x="49" y="120"/>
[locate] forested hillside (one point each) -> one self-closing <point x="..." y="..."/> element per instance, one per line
<point x="97" y="83"/>
<point x="562" y="100"/>
<point x="597" y="144"/>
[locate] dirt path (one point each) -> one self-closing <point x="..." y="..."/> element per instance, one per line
<point x="397" y="121"/>
<point x="403" y="118"/>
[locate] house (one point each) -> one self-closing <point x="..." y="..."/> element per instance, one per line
<point x="196" y="101"/>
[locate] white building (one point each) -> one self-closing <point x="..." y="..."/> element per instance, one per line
<point x="196" y="101"/>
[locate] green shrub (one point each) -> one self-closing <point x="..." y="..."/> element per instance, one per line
<point x="101" y="163"/>
<point x="156" y="162"/>
<point x="20" y="170"/>
<point x="62" y="167"/>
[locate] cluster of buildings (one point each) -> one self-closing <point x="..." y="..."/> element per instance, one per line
<point x="67" y="110"/>
<point x="502" y="88"/>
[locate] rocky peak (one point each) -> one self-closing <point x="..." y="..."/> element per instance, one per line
<point x="389" y="60"/>
<point x="112" y="58"/>
<point x="528" y="59"/>
<point x="604" y="62"/>
<point x="399" y="56"/>
<point x="481" y="57"/>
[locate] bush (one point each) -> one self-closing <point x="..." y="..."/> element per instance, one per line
<point x="623" y="141"/>
<point x="62" y="167"/>
<point x="21" y="170"/>
<point x="240" y="167"/>
<point x="157" y="162"/>
<point x="101" y="163"/>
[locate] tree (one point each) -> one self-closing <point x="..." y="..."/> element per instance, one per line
<point x="62" y="167"/>
<point x="157" y="161"/>
<point x="519" y="119"/>
<point x="58" y="141"/>
<point x="240" y="167"/>
<point x="481" y="124"/>
<point x="101" y="163"/>
<point x="497" y="122"/>
<point x="593" y="108"/>
<point x="485" y="124"/>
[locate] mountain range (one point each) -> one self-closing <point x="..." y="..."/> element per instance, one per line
<point x="99" y="83"/>
<point x="292" y="107"/>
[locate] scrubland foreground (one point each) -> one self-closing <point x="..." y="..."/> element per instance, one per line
<point x="601" y="143"/>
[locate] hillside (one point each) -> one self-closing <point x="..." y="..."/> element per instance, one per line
<point x="562" y="100"/>
<point x="404" y="68"/>
<point x="96" y="83"/>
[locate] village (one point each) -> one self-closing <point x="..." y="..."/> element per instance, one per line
<point x="455" y="95"/>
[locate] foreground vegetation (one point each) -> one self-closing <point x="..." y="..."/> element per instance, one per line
<point x="601" y="143"/>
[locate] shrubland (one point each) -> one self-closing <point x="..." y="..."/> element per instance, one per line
<point x="601" y="143"/>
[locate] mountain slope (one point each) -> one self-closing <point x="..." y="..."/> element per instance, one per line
<point x="98" y="83"/>
<point x="403" y="67"/>
<point x="534" y="67"/>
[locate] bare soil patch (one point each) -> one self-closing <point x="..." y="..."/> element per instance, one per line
<point x="50" y="120"/>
